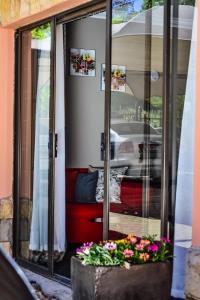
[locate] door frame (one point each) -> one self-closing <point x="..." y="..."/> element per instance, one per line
<point x="17" y="150"/>
<point x="166" y="202"/>
<point x="71" y="15"/>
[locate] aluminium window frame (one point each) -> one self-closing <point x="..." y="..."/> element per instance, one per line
<point x="74" y="14"/>
<point x="17" y="150"/>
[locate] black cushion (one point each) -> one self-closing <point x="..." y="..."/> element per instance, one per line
<point x="85" y="188"/>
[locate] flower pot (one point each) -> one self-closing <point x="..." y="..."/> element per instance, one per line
<point x="150" y="281"/>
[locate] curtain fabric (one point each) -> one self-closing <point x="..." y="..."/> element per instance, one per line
<point x="39" y="222"/>
<point x="183" y="212"/>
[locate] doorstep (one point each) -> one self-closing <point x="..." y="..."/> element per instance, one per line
<point x="50" y="287"/>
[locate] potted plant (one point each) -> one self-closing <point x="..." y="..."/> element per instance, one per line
<point x="129" y="269"/>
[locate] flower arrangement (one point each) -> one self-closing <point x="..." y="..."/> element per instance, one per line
<point x="125" y="252"/>
<point x="83" y="62"/>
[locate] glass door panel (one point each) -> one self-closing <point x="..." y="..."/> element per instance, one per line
<point x="80" y="68"/>
<point x="136" y="118"/>
<point x="35" y="143"/>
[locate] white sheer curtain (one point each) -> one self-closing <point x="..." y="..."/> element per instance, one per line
<point x="183" y="213"/>
<point x="39" y="222"/>
<point x="59" y="223"/>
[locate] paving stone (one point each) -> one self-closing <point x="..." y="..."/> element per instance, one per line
<point x="50" y="287"/>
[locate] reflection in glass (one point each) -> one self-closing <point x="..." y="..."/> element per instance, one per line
<point x="136" y="121"/>
<point x="184" y="44"/>
<point x="136" y="116"/>
<point x="35" y="100"/>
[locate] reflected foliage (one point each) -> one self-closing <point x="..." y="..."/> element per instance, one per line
<point x="149" y="3"/>
<point x="41" y="32"/>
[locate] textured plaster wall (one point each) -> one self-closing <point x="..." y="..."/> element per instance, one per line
<point x="6" y="136"/>
<point x="16" y="13"/>
<point x="6" y="110"/>
<point x="15" y="9"/>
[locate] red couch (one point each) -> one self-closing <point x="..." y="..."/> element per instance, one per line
<point x="83" y="219"/>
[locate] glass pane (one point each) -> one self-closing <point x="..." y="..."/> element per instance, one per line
<point x="84" y="53"/>
<point x="136" y="118"/>
<point x="184" y="44"/>
<point x="35" y="101"/>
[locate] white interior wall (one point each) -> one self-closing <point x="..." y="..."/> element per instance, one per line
<point x="59" y="206"/>
<point x="85" y="102"/>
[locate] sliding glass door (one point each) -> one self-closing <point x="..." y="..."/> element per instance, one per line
<point x="35" y="130"/>
<point x="129" y="153"/>
<point x="136" y="118"/>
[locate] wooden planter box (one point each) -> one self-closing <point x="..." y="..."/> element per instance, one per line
<point x="151" y="281"/>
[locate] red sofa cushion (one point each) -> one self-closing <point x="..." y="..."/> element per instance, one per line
<point x="80" y="222"/>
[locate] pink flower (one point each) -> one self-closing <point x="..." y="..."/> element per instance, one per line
<point x="165" y="240"/>
<point x="133" y="240"/>
<point x="84" y="249"/>
<point x="139" y="247"/>
<point x="88" y="244"/>
<point x="153" y="248"/>
<point x="128" y="253"/>
<point x="110" y="246"/>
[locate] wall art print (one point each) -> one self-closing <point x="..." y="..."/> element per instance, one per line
<point x="118" y="80"/>
<point x="82" y="62"/>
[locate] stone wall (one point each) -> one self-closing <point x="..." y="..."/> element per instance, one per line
<point x="192" y="284"/>
<point x="6" y="217"/>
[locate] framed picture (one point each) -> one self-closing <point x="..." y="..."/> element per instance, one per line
<point x="118" y="80"/>
<point x="82" y="62"/>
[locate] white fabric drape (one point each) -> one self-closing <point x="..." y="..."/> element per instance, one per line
<point x="39" y="222"/>
<point x="183" y="212"/>
<point x="59" y="215"/>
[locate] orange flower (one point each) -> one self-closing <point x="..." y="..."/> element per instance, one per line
<point x="144" y="256"/>
<point x="145" y="242"/>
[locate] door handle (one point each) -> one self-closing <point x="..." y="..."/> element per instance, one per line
<point x="56" y="144"/>
<point x="53" y="140"/>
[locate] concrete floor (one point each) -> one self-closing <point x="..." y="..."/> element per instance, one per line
<point x="53" y="288"/>
<point x="50" y="287"/>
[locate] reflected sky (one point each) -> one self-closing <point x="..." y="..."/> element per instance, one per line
<point x="133" y="5"/>
<point x="124" y="10"/>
